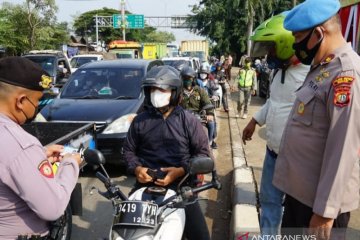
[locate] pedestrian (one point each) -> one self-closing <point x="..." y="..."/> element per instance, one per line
<point x="290" y="75"/>
<point x="31" y="195"/>
<point x="318" y="162"/>
<point x="230" y="60"/>
<point x="164" y="137"/>
<point x="247" y="85"/>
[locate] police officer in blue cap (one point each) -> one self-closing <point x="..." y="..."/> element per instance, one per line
<point x="317" y="166"/>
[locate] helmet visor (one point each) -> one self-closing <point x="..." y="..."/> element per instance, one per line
<point x="260" y="49"/>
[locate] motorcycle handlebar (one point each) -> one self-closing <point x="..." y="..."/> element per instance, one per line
<point x="112" y="190"/>
<point x="102" y="178"/>
<point x="188" y="192"/>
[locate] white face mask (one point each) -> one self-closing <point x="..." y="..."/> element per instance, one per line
<point x="203" y="75"/>
<point x="160" y="99"/>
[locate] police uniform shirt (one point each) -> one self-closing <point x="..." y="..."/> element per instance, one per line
<point x="30" y="193"/>
<point x="318" y="162"/>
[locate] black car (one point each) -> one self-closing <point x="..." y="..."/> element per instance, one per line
<point x="107" y="93"/>
<point x="54" y="63"/>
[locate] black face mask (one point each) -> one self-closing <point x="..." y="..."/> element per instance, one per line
<point x="187" y="83"/>
<point x="36" y="110"/>
<point x="304" y="54"/>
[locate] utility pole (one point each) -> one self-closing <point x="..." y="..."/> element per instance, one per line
<point x="97" y="30"/>
<point x="294" y="3"/>
<point x="123" y="25"/>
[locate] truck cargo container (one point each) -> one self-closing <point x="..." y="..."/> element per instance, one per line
<point x="195" y="48"/>
<point x="125" y="49"/>
<point x="154" y="50"/>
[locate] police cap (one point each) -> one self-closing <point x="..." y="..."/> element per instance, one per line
<point x="24" y="73"/>
<point x="310" y="13"/>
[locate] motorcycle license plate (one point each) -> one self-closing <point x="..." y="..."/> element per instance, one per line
<point x="137" y="213"/>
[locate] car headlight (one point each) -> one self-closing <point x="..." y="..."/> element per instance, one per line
<point x="120" y="125"/>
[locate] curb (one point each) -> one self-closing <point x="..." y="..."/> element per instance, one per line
<point x="245" y="216"/>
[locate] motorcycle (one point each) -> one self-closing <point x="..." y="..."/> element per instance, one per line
<point x="154" y="212"/>
<point x="201" y="115"/>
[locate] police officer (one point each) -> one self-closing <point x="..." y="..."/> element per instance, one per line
<point x="164" y="138"/>
<point x="318" y="162"/>
<point x="31" y="195"/>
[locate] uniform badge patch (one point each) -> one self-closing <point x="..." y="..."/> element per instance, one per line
<point x="342" y="90"/>
<point x="46" y="169"/>
<point x="301" y="108"/>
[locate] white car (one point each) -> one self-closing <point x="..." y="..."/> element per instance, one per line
<point x="193" y="62"/>
<point x="79" y="60"/>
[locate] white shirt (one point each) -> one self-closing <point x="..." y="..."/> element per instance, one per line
<point x="275" y="112"/>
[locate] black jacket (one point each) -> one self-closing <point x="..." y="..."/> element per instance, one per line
<point x="155" y="142"/>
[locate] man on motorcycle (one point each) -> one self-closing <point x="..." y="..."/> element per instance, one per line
<point x="31" y="194"/>
<point x="195" y="99"/>
<point x="221" y="77"/>
<point x="163" y="138"/>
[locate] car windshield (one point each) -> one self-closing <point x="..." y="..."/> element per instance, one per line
<point x="45" y="62"/>
<point x="76" y="62"/>
<point x="104" y="83"/>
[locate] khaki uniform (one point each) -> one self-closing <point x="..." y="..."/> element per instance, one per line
<point x="318" y="162"/>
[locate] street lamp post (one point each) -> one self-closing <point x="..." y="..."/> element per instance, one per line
<point x="123" y="25"/>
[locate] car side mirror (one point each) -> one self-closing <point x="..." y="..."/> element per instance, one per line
<point x="54" y="90"/>
<point x="201" y="165"/>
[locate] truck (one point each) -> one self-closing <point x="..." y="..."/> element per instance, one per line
<point x="73" y="135"/>
<point x="125" y="49"/>
<point x="154" y="50"/>
<point x="195" y="48"/>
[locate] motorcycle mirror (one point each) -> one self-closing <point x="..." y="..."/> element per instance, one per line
<point x="201" y="165"/>
<point x="94" y="157"/>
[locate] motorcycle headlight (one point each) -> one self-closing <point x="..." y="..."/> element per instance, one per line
<point x="120" y="125"/>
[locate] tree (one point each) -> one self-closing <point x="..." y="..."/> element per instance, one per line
<point x="40" y="13"/>
<point x="85" y="26"/>
<point x="160" y="37"/>
<point x="30" y="26"/>
<point x="229" y="23"/>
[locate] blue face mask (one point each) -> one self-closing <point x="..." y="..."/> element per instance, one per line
<point x="274" y="62"/>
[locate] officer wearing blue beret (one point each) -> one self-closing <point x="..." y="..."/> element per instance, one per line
<point x="317" y="166"/>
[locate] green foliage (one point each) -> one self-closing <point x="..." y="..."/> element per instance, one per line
<point x="31" y="25"/>
<point x="228" y="23"/>
<point x="85" y="26"/>
<point x="160" y="37"/>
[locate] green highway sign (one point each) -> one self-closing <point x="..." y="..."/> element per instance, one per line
<point x="131" y="21"/>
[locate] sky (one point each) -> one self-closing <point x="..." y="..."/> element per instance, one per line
<point x="70" y="8"/>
